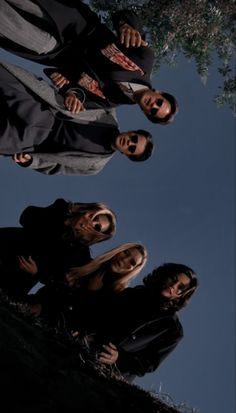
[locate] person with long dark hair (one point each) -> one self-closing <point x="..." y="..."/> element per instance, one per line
<point x="134" y="328"/>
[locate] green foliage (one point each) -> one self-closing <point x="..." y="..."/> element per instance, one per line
<point x="195" y="28"/>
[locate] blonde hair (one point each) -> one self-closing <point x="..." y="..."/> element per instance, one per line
<point x="101" y="264"/>
<point x="78" y="209"/>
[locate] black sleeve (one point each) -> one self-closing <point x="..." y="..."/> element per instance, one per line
<point x="129" y="17"/>
<point x="148" y="359"/>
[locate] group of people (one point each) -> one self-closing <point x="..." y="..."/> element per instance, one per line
<point x="72" y="128"/>
<point x="68" y="125"/>
<point x="53" y="246"/>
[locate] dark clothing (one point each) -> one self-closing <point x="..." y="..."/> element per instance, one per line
<point x="27" y="124"/>
<point x="45" y="238"/>
<point x="61" y="249"/>
<point x="100" y="68"/>
<point x="132" y="320"/>
<point x="68" y="21"/>
<point x="82" y="36"/>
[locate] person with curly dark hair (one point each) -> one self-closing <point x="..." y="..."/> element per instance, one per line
<point x="142" y="328"/>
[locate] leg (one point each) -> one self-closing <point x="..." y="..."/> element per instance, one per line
<point x="16" y="17"/>
<point x="25" y="120"/>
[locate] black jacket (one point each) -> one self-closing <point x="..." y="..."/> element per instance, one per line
<point x="81" y="36"/>
<point x="132" y="320"/>
<point x="43" y="237"/>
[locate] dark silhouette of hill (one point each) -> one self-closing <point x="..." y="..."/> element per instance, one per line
<point x="42" y="371"/>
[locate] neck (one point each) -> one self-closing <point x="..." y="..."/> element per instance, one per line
<point x="113" y="142"/>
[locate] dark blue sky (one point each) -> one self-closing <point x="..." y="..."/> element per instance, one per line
<point x="181" y="205"/>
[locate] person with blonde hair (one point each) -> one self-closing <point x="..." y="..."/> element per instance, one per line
<point x="115" y="268"/>
<point x="110" y="272"/>
<point x="52" y="240"/>
<point x="86" y="222"/>
<point x="134" y="329"/>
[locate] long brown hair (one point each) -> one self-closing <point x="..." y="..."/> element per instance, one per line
<point x="166" y="275"/>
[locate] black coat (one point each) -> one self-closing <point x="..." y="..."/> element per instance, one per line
<point x="70" y="20"/>
<point x="42" y="236"/>
<point x="132" y="320"/>
<point x="81" y="36"/>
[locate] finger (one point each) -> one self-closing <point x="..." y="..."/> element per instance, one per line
<point x="22" y="259"/>
<point x="74" y="105"/>
<point x="138" y="39"/>
<point x="60" y="82"/>
<point x="107" y="348"/>
<point x="144" y="43"/>
<point x="68" y="102"/>
<point x="112" y="346"/>
<point x="26" y="157"/>
<point x="57" y="78"/>
<point x="106" y="360"/>
<point x="54" y="75"/>
<point x="78" y="106"/>
<point x="74" y="333"/>
<point x="16" y="157"/>
<point x="127" y="39"/>
<point x="106" y="357"/>
<point x="134" y="38"/>
<point x="122" y="37"/>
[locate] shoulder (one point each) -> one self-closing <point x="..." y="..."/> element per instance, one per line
<point x="177" y="326"/>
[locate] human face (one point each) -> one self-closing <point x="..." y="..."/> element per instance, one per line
<point x="126" y="261"/>
<point x="99" y="223"/>
<point x="177" y="289"/>
<point x="131" y="143"/>
<point x="154" y="104"/>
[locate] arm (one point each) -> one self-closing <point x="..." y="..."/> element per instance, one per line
<point x="126" y="16"/>
<point x="129" y="29"/>
<point x="49" y="164"/>
<point x="151" y="355"/>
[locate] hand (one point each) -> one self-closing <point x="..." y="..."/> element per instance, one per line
<point x="96" y="282"/>
<point x="131" y="37"/>
<point x="73" y="104"/>
<point x="35" y="309"/>
<point x="72" y="277"/>
<point x="75" y="334"/>
<point x="109" y="356"/>
<point x="22" y="158"/>
<point x="59" y="80"/>
<point x="28" y="265"/>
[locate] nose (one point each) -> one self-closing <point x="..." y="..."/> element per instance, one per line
<point x="127" y="264"/>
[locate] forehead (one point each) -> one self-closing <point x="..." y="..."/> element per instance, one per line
<point x="134" y="252"/>
<point x="101" y="218"/>
<point x="141" y="145"/>
<point x="183" y="278"/>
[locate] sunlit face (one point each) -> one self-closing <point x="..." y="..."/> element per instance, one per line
<point x="177" y="289"/>
<point x="99" y="223"/>
<point x="126" y="261"/>
<point x="154" y="104"/>
<point x="131" y="143"/>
